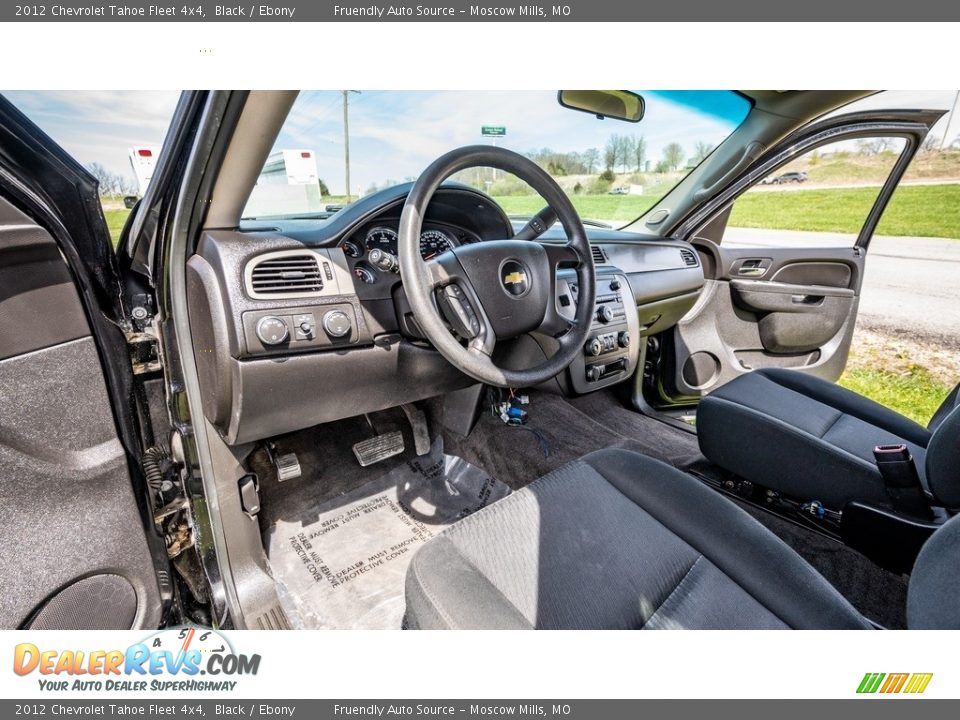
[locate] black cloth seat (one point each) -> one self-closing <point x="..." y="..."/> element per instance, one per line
<point x="814" y="440"/>
<point x="617" y="540"/>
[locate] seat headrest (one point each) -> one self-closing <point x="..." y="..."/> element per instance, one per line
<point x="951" y="403"/>
<point x="933" y="596"/>
<point x="943" y="461"/>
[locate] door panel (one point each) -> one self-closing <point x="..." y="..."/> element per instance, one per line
<point x="796" y="309"/>
<point x="777" y="296"/>
<point x="75" y="550"/>
<point x="793" y="318"/>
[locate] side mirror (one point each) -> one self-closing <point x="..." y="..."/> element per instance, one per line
<point x="616" y="104"/>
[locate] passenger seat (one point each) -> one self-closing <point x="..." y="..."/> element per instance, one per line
<point x="814" y="440"/>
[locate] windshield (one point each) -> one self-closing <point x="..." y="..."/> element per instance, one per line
<point x="337" y="146"/>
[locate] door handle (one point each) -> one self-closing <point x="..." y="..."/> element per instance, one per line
<point x="751" y="271"/>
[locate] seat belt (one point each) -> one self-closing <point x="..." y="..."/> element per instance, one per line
<point x="901" y="479"/>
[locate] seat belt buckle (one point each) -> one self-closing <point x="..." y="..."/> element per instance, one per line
<point x="896" y="466"/>
<point x="900" y="477"/>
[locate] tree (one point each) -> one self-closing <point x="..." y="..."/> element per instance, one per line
<point x="673" y="155"/>
<point x="590" y="158"/>
<point x="875" y="146"/>
<point x="700" y="152"/>
<point x="930" y="144"/>
<point x="105" y="178"/>
<point x="556" y="162"/>
<point x="611" y="152"/>
<point x="626" y="146"/>
<point x="125" y="185"/>
<point x="639" y="153"/>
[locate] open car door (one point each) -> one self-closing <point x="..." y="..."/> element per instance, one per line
<point x="781" y="297"/>
<point x="80" y="547"/>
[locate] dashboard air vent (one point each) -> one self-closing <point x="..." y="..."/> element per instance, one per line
<point x="599" y="258"/>
<point x="689" y="258"/>
<point x="286" y="275"/>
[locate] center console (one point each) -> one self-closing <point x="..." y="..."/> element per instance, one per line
<point x="611" y="350"/>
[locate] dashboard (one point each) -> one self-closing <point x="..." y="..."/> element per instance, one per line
<point x="297" y="322"/>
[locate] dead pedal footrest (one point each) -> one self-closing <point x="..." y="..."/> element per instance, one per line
<point x="379" y="447"/>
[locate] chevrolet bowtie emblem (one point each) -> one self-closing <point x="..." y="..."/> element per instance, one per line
<point x="514" y="278"/>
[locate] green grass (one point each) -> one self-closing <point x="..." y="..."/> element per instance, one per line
<point x="116" y="217"/>
<point x="924" y="210"/>
<point x="914" y="394"/>
<point x="619" y="208"/>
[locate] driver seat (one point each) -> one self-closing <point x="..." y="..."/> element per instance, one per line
<point x="617" y="540"/>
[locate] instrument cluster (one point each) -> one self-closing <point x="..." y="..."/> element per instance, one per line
<point x="378" y="244"/>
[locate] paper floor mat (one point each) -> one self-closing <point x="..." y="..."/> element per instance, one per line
<point x="346" y="568"/>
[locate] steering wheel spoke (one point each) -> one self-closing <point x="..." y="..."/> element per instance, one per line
<point x="442" y="270"/>
<point x="563" y="256"/>
<point x="555" y="321"/>
<point x="464" y="313"/>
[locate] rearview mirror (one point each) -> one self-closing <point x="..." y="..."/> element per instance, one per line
<point x="616" y="104"/>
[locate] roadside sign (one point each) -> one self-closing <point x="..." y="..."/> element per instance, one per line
<point x="493" y="130"/>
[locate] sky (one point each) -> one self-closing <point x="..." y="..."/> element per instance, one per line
<point x="99" y="126"/>
<point x="395" y="134"/>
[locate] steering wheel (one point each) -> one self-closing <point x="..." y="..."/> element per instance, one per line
<point x="497" y="289"/>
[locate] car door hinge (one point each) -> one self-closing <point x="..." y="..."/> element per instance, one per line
<point x="144" y="352"/>
<point x="173" y="521"/>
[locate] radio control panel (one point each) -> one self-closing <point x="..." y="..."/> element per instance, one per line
<point x="610" y="352"/>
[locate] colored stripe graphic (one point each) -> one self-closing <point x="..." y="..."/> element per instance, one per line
<point x="870" y="682"/>
<point x="918" y="682"/>
<point x="893" y="683"/>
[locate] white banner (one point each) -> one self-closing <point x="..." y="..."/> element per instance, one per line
<point x="341" y="664"/>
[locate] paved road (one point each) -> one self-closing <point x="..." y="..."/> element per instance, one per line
<point x="809" y="185"/>
<point x="911" y="286"/>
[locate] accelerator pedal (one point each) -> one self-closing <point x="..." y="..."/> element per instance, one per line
<point x="419" y="427"/>
<point x="378" y="448"/>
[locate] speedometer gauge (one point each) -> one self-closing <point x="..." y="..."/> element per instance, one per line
<point x="433" y="242"/>
<point x="382" y="238"/>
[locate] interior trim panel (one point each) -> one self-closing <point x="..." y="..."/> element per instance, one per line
<point x="339" y="345"/>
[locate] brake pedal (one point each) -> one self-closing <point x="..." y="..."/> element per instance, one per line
<point x="379" y="448"/>
<point x="286" y="465"/>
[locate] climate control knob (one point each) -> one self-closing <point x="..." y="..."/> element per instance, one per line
<point x="272" y="330"/>
<point x="593" y="347"/>
<point x="605" y="313"/>
<point x="337" y="324"/>
<point x="623" y="339"/>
